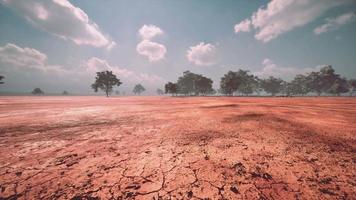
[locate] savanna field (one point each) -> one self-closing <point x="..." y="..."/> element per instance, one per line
<point x="177" y="148"/>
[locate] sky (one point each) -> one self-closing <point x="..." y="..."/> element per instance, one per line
<point x="59" y="44"/>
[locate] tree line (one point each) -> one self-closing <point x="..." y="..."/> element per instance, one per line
<point x="243" y="83"/>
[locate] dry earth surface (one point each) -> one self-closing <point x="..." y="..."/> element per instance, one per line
<point x="177" y="148"/>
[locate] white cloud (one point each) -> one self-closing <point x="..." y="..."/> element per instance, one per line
<point x="61" y="18"/>
<point x="272" y="69"/>
<point x="95" y="64"/>
<point x="335" y="23"/>
<point x="281" y="16"/>
<point x="147" y="32"/>
<point x="152" y="50"/>
<point x="202" y="54"/>
<point x="24" y="57"/>
<point x="243" y="26"/>
<point x="14" y="57"/>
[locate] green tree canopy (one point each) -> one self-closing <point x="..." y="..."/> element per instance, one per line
<point x="171" y="88"/>
<point x="272" y="85"/>
<point x="105" y="81"/>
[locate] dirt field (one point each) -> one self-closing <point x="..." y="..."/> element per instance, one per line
<point x="177" y="148"/>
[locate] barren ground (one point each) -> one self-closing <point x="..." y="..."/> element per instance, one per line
<point x="177" y="148"/>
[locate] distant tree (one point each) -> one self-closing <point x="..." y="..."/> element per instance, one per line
<point x="186" y="83"/>
<point x="321" y="82"/>
<point x="160" y="92"/>
<point x="339" y="86"/>
<point x="37" y="91"/>
<point x="65" y="93"/>
<point x="248" y="82"/>
<point x="117" y="92"/>
<point x="194" y="84"/>
<point x="352" y="86"/>
<point x="203" y="85"/>
<point x="300" y="85"/>
<point x="229" y="83"/>
<point x="171" y="88"/>
<point x="272" y="85"/>
<point x="138" y="89"/>
<point x="1" y="78"/>
<point x="105" y="81"/>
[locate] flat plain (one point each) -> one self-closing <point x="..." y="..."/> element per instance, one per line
<point x="177" y="148"/>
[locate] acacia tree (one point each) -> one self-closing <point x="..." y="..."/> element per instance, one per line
<point x="1" y="77"/>
<point x="138" y="89"/>
<point x="171" y="88"/>
<point x="65" y="93"/>
<point x="105" y="81"/>
<point x="37" y="91"/>
<point x="272" y="85"/>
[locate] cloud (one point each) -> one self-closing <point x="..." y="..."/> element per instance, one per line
<point x="14" y="57"/>
<point x="335" y="23"/>
<point x="147" y="32"/>
<point x="24" y="57"/>
<point x="272" y="69"/>
<point x="281" y="16"/>
<point x="243" y="26"/>
<point x="61" y="18"/>
<point x="95" y="64"/>
<point x="202" y="54"/>
<point x="152" y="50"/>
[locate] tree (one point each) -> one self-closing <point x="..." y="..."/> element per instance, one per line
<point x="160" y="92"/>
<point x="1" y="77"/>
<point x="272" y="85"/>
<point x="117" y="92"/>
<point x="203" y="84"/>
<point x="229" y="83"/>
<point x="105" y="81"/>
<point x="138" y="89"/>
<point x="65" y="93"/>
<point x="339" y="86"/>
<point x="352" y="86"/>
<point x="171" y="88"/>
<point x="186" y="83"/>
<point x="248" y="82"/>
<point x="194" y="84"/>
<point x="37" y="91"/>
<point x="322" y="81"/>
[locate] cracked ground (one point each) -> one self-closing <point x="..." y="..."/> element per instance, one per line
<point x="177" y="148"/>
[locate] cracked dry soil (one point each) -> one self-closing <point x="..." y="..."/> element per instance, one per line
<point x="177" y="148"/>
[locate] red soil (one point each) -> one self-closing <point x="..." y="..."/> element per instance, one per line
<point x="177" y="148"/>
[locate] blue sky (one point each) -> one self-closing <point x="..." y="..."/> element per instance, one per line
<point x="58" y="45"/>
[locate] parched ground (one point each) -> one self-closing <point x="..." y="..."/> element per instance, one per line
<point x="177" y="148"/>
